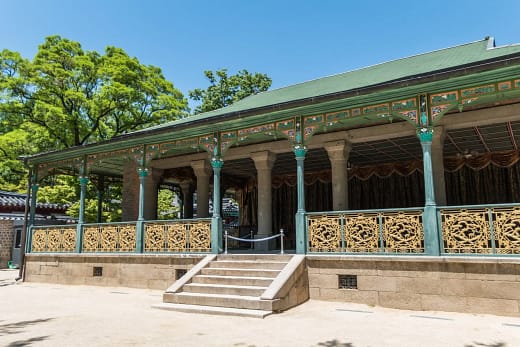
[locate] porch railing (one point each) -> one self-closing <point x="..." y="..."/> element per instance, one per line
<point x="483" y="229"/>
<point x="109" y="237"/>
<point x="366" y="231"/>
<point x="53" y="238"/>
<point x="187" y="235"/>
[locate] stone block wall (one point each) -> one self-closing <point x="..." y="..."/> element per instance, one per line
<point x="6" y="242"/>
<point x="135" y="271"/>
<point x="460" y="284"/>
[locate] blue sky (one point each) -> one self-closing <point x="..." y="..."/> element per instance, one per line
<point x="291" y="41"/>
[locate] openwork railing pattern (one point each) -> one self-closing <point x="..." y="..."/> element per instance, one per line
<point x="109" y="237"/>
<point x="55" y="238"/>
<point x="483" y="230"/>
<point x="178" y="236"/>
<point x="387" y="231"/>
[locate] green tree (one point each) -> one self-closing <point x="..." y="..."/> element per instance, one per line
<point x="225" y="90"/>
<point x="166" y="209"/>
<point x="80" y="97"/>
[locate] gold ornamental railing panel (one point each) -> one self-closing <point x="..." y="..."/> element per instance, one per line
<point x="362" y="233"/>
<point x="109" y="237"/>
<point x="466" y="231"/>
<point x="388" y="231"/>
<point x="403" y="232"/>
<point x="193" y="235"/>
<point x="507" y="230"/>
<point x="324" y="233"/>
<point x="54" y="238"/>
<point x="492" y="229"/>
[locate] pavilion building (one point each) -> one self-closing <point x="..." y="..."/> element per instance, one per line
<point x="399" y="180"/>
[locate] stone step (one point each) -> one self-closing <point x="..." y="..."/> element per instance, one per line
<point x="248" y="264"/>
<point x="223" y="289"/>
<point x="255" y="257"/>
<point x="224" y="311"/>
<point x="220" y="300"/>
<point x="240" y="272"/>
<point x="233" y="280"/>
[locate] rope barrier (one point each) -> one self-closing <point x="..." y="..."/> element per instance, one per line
<point x="252" y="240"/>
<point x="226" y="237"/>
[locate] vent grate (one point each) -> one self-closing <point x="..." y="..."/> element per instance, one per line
<point x="179" y="273"/>
<point x="347" y="281"/>
<point x="97" y="271"/>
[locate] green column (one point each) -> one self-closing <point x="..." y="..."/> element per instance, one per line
<point x="431" y="234"/>
<point x="32" y="212"/>
<point x="301" y="234"/>
<point x="83" y="181"/>
<point x="216" y="219"/>
<point x="143" y="173"/>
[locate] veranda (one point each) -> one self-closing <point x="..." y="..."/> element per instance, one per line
<point x="416" y="156"/>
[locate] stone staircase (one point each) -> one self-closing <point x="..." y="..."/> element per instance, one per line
<point x="244" y="285"/>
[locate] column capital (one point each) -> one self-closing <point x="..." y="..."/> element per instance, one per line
<point x="439" y="134"/>
<point x="201" y="167"/>
<point x="338" y="150"/>
<point x="217" y="163"/>
<point x="264" y="160"/>
<point x="83" y="180"/>
<point x="186" y="186"/>
<point x="143" y="172"/>
<point x="300" y="151"/>
<point x="426" y="136"/>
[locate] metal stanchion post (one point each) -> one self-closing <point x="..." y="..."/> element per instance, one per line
<point x="225" y="241"/>
<point x="281" y="241"/>
<point x="251" y="237"/>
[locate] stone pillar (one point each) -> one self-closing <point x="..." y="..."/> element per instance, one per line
<point x="151" y="188"/>
<point x="202" y="171"/>
<point x="130" y="192"/>
<point x="187" y="202"/>
<point x="301" y="235"/>
<point x="264" y="162"/>
<point x="438" y="165"/>
<point x="338" y="152"/>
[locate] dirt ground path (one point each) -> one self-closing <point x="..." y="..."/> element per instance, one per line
<point x="34" y="314"/>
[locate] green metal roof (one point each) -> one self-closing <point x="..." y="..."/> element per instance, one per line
<point x="400" y="69"/>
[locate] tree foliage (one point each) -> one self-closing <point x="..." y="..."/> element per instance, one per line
<point x="79" y="97"/>
<point x="225" y="90"/>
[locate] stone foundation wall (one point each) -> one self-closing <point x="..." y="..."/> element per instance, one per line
<point x="461" y="284"/>
<point x="6" y="242"/>
<point x="135" y="271"/>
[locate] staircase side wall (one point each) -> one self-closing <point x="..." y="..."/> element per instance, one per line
<point x="295" y="290"/>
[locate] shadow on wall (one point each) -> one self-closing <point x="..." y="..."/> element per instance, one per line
<point x="480" y="344"/>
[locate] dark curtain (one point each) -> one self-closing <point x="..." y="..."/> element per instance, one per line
<point x="318" y="197"/>
<point x="489" y="185"/>
<point x="393" y="191"/>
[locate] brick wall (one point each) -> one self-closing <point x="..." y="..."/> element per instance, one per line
<point x="461" y="284"/>
<point x="6" y="242"/>
<point x="130" y="193"/>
